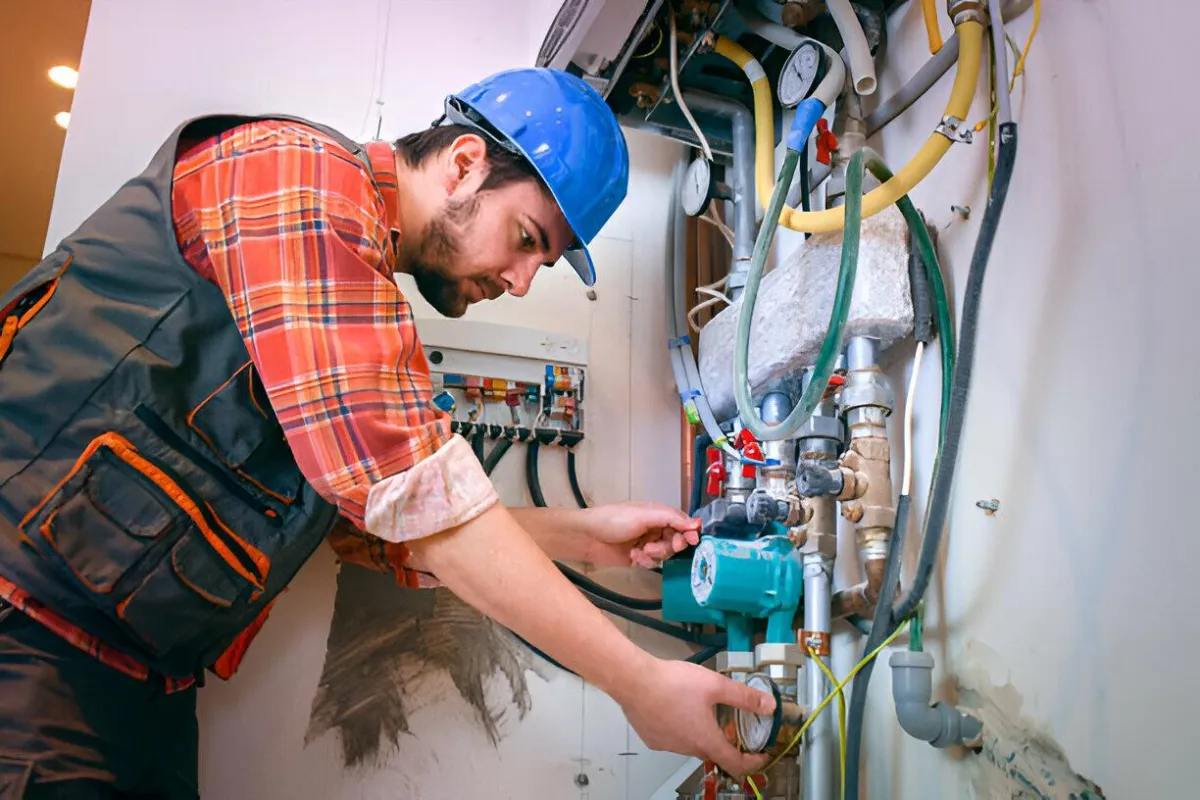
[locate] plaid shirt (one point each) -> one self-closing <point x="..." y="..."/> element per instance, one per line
<point x="302" y="241"/>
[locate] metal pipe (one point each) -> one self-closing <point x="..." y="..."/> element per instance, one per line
<point x="818" y="744"/>
<point x="820" y="442"/>
<point x="744" y="228"/>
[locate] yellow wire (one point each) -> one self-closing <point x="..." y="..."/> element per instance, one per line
<point x="830" y="697"/>
<point x="841" y="696"/>
<point x="753" y="788"/>
<point x="1033" y="29"/>
<point x="929" y="9"/>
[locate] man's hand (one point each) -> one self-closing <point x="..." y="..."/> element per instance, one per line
<point x="642" y="534"/>
<point x="676" y="711"/>
<point x="497" y="568"/>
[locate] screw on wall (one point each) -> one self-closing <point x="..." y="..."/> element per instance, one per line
<point x="582" y="781"/>
<point x="990" y="507"/>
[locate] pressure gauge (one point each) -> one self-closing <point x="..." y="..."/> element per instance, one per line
<point x="697" y="187"/>
<point x="758" y="732"/>
<point x="801" y="73"/>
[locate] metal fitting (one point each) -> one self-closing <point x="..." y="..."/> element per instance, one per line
<point x="827" y="428"/>
<point x="955" y="129"/>
<point x="868" y="388"/>
<point x="820" y="538"/>
<point x="729" y="663"/>
<point x="781" y="661"/>
<point x="961" y="11"/>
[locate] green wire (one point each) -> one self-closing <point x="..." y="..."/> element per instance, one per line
<point x="914" y="629"/>
<point x="933" y="271"/>
<point x="832" y="345"/>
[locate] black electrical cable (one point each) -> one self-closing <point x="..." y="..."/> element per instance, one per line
<point x="573" y="477"/>
<point x="698" y="657"/>
<point x="653" y="623"/>
<point x="700" y="446"/>
<point x="532" y="479"/>
<point x="599" y="590"/>
<point x="622" y="605"/>
<point x="497" y="453"/>
<point x="477" y="442"/>
<point x="805" y="189"/>
<point x="943" y="477"/>
<point x="939" y="500"/>
<point x="880" y="628"/>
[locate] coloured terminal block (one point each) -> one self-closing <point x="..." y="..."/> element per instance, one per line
<point x="445" y="401"/>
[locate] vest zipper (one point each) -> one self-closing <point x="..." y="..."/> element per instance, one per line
<point x="173" y="439"/>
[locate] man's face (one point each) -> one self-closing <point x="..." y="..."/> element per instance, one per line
<point x="480" y="244"/>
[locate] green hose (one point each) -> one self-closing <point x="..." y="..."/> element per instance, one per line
<point x="832" y="345"/>
<point x="933" y="271"/>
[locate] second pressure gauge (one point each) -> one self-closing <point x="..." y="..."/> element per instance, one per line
<point x="697" y="187"/>
<point x="801" y="73"/>
<point x="758" y="732"/>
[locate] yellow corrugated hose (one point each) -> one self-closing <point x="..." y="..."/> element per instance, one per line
<point x="970" y="48"/>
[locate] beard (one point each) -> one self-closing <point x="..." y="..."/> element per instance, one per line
<point x="440" y="246"/>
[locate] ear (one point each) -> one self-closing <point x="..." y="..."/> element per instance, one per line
<point x="465" y="163"/>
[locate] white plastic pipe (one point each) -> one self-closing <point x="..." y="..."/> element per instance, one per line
<point x="780" y="36"/>
<point x="858" y="52"/>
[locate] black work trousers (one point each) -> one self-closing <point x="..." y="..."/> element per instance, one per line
<point x="72" y="728"/>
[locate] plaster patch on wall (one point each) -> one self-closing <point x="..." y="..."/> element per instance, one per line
<point x="1019" y="760"/>
<point x="385" y="645"/>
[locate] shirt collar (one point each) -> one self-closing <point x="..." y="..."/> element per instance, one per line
<point x="383" y="163"/>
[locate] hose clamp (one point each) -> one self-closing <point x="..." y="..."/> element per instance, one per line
<point x="955" y="130"/>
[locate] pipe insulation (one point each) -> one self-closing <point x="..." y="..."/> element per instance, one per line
<point x="794" y="304"/>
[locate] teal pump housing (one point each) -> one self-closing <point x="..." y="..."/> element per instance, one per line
<point x="732" y="582"/>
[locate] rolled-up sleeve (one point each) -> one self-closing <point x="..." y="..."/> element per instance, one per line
<point x="292" y="229"/>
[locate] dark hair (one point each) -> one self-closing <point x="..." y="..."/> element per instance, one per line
<point x="504" y="166"/>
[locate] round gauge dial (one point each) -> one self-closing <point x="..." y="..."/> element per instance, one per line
<point x="801" y="72"/>
<point x="704" y="570"/>
<point x="697" y="187"/>
<point x="757" y="732"/>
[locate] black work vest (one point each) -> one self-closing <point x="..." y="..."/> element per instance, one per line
<point x="147" y="492"/>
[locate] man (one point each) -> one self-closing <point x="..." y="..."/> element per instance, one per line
<point x="216" y="372"/>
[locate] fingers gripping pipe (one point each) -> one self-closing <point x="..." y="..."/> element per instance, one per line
<point x="941" y="724"/>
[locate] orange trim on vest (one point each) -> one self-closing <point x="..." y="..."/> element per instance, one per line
<point x="123" y="449"/>
<point x="229" y="661"/>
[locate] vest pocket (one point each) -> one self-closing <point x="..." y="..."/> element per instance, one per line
<point x="236" y="423"/>
<point x="126" y="527"/>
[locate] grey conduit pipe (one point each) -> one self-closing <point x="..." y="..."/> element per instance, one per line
<point x="931" y="73"/>
<point x="940" y="724"/>
<point x="683" y="360"/>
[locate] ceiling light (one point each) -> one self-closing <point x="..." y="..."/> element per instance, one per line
<point x="63" y="118"/>
<point x="64" y="76"/>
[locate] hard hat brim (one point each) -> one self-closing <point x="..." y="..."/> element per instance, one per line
<point x="580" y="260"/>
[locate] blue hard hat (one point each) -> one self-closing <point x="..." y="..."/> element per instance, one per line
<point x="572" y="138"/>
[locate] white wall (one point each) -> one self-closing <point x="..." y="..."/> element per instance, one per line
<point x="296" y="58"/>
<point x="1082" y="585"/>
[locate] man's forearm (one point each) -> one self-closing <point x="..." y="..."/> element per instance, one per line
<point x="494" y="565"/>
<point x="561" y="533"/>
